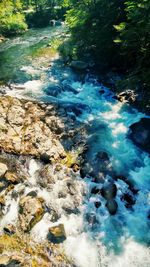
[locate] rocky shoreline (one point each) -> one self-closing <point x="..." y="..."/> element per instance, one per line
<point x="31" y="134"/>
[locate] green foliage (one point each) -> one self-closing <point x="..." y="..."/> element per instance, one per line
<point x="40" y="12"/>
<point x="92" y="26"/>
<point x="11" y="20"/>
<point x="135" y="38"/>
<point x="13" y="24"/>
<point x="16" y="14"/>
<point x="115" y="33"/>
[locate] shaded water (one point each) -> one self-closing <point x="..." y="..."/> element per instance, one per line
<point x="114" y="241"/>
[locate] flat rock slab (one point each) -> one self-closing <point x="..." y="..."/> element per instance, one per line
<point x="24" y="129"/>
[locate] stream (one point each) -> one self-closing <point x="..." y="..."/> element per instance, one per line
<point x="31" y="69"/>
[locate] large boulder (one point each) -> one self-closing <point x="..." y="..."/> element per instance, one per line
<point x="109" y="191"/>
<point x="140" y="134"/>
<point x="31" y="211"/>
<point x="78" y="65"/>
<point x="53" y="90"/>
<point x="112" y="206"/>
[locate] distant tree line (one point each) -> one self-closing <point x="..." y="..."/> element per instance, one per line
<point x="17" y="15"/>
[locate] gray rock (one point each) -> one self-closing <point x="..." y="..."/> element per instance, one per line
<point x="109" y="191"/>
<point x="53" y="90"/>
<point x="140" y="134"/>
<point x="112" y="206"/>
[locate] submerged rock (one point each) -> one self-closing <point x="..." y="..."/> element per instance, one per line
<point x="102" y="155"/>
<point x="91" y="218"/>
<point x="31" y="211"/>
<point x="128" y="199"/>
<point x="53" y="90"/>
<point x="112" y="206"/>
<point x="95" y="190"/>
<point x="57" y="234"/>
<point x="140" y="134"/>
<point x="97" y="204"/>
<point x="109" y="191"/>
<point x="69" y="88"/>
<point x="79" y="65"/>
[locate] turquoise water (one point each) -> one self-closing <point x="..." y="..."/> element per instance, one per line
<point x="20" y="51"/>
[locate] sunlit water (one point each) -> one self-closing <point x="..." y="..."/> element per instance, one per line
<point x="113" y="241"/>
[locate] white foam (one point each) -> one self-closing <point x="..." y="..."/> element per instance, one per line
<point x="82" y="250"/>
<point x="10" y="212"/>
<point x="133" y="255"/>
<point x="33" y="168"/>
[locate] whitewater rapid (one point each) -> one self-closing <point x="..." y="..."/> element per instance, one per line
<point x="121" y="240"/>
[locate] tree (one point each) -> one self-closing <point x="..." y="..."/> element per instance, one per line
<point x="11" y="20"/>
<point x="92" y="21"/>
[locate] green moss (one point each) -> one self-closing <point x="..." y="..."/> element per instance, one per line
<point x="44" y="52"/>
